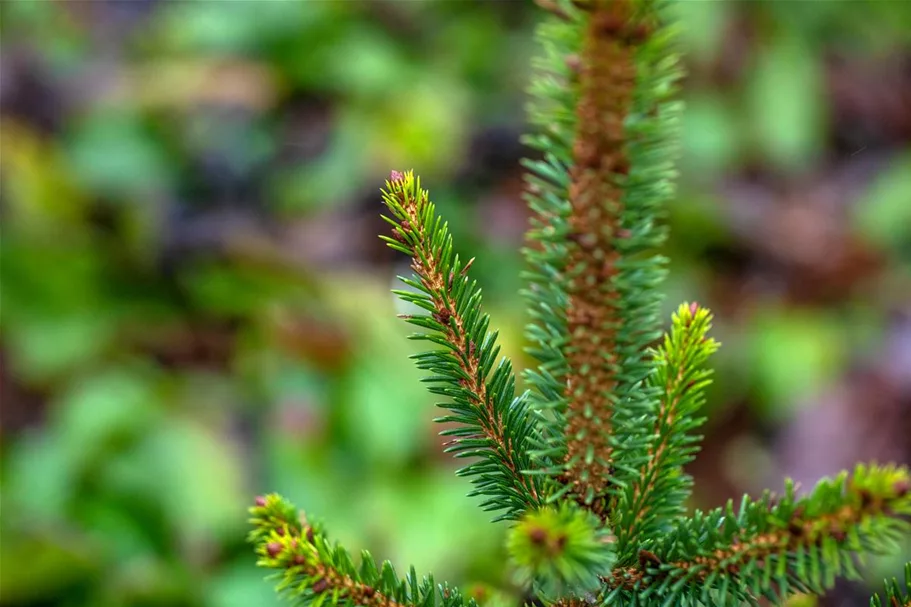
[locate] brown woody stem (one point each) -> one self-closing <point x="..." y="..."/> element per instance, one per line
<point x="606" y="81"/>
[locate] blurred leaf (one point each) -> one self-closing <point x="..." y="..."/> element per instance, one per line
<point x="37" y="566"/>
<point x="245" y="289"/>
<point x="182" y="84"/>
<point x="385" y="404"/>
<point x="195" y="473"/>
<point x="191" y="472"/>
<point x="710" y="137"/>
<point x="241" y="584"/>
<point x="422" y="127"/>
<point x="38" y="185"/>
<point x="121" y="531"/>
<point x="242" y="27"/>
<point x="373" y="64"/>
<point x="417" y="516"/>
<point x="39" y="477"/>
<point x="702" y="27"/>
<point x="883" y="214"/>
<point x="793" y="355"/>
<point x="696" y="223"/>
<point x="102" y="412"/>
<point x="77" y="338"/>
<point x="146" y="580"/>
<point x="325" y="182"/>
<point x="465" y="43"/>
<point x="787" y="102"/>
<point x="113" y="154"/>
<point x="802" y="600"/>
<point x="63" y="42"/>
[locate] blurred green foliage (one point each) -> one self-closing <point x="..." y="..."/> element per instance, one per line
<point x="195" y="306"/>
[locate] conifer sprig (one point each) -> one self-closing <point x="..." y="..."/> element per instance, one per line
<point x="606" y="82"/>
<point x="589" y="464"/>
<point x="316" y="572"/>
<point x="555" y="93"/>
<point x="657" y="495"/>
<point x="896" y="595"/>
<point x="775" y="547"/>
<point x="494" y="424"/>
<point x="597" y="196"/>
<point x="558" y="551"/>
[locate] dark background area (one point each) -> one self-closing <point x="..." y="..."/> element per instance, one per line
<point x="196" y="306"/>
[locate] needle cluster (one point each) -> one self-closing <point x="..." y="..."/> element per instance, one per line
<point x="588" y="465"/>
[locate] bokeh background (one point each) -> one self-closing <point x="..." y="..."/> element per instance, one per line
<point x="196" y="306"/>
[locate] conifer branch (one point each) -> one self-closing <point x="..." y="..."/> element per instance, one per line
<point x="772" y="548"/>
<point x="593" y="280"/>
<point x="555" y="92"/>
<point x="311" y="569"/>
<point x="494" y="424"/>
<point x="606" y="82"/>
<point x="589" y="465"/>
<point x="896" y="596"/>
<point x="658" y="493"/>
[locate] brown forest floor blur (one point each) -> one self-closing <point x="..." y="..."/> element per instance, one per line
<point x="195" y="303"/>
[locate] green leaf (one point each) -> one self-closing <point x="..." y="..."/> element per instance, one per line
<point x="883" y="213"/>
<point x="793" y="355"/>
<point x="192" y="471"/>
<point x="112" y="153"/>
<point x="787" y="101"/>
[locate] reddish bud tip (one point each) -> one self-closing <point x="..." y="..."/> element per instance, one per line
<point x="396" y="176"/>
<point x="694" y="307"/>
<point x="260" y="501"/>
<point x="320" y="585"/>
<point x="299" y="559"/>
<point x="273" y="549"/>
<point x="902" y="487"/>
<point x="537" y="535"/>
<point x="310" y="534"/>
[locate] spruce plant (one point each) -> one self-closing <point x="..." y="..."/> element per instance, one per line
<point x="587" y="465"/>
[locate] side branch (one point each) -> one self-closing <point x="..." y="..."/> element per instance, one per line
<point x="299" y="552"/>
<point x="309" y="568"/>
<point x="658" y="493"/>
<point x="494" y="424"/>
<point x="772" y="549"/>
